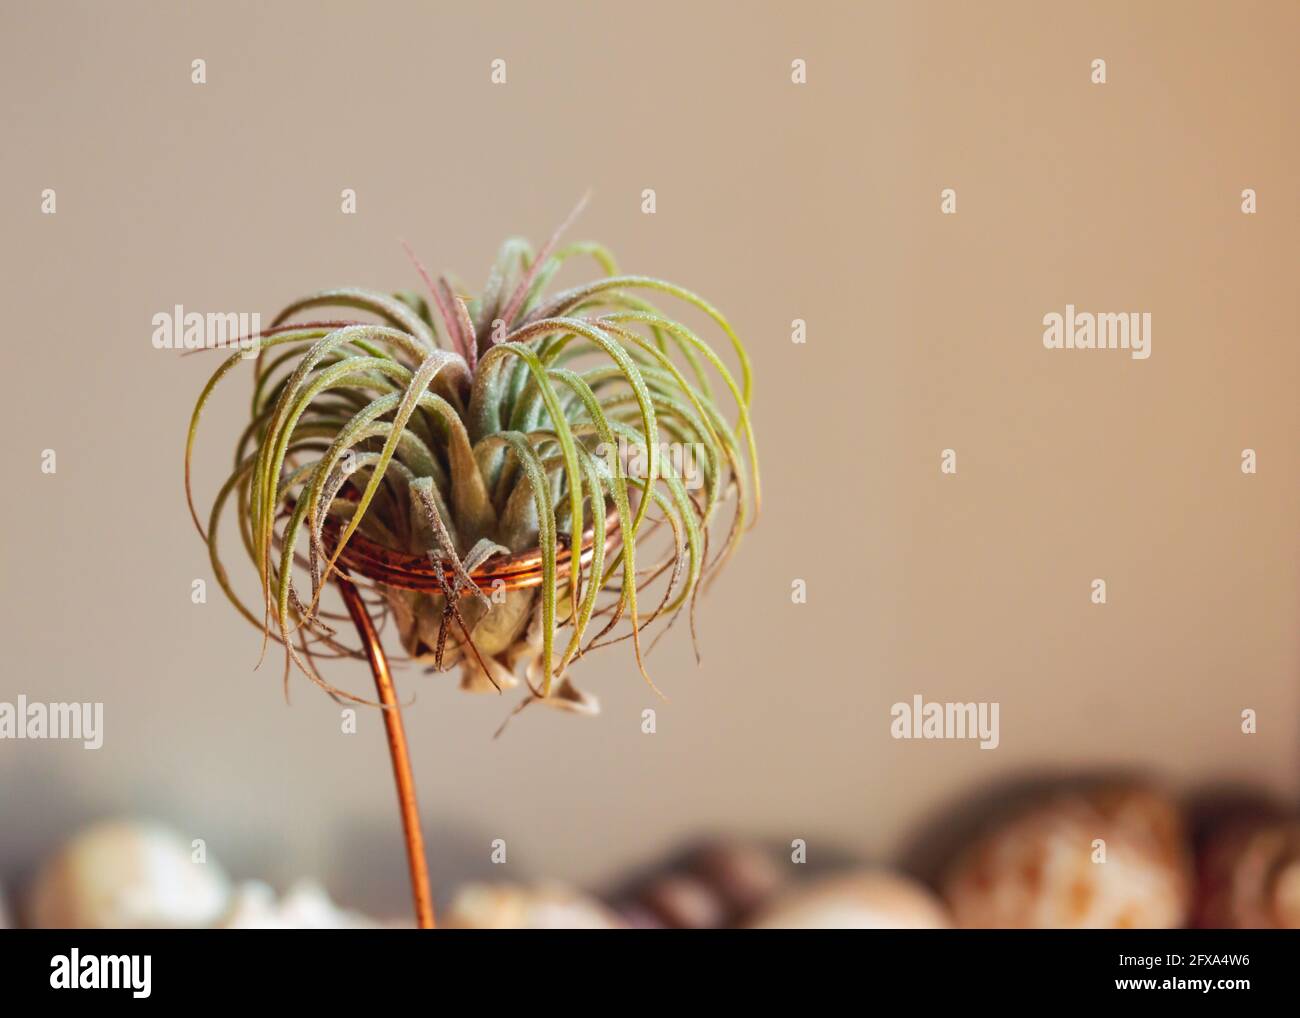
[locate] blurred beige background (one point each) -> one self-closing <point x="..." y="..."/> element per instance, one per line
<point x="778" y="202"/>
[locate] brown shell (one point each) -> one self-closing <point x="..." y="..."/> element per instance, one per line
<point x="1111" y="858"/>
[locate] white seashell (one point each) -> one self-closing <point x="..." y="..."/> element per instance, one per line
<point x="518" y="907"/>
<point x="869" y="900"/>
<point x="306" y="906"/>
<point x="127" y="874"/>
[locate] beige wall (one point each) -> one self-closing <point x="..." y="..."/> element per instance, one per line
<point x="819" y="202"/>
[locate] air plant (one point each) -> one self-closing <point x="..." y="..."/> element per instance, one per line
<point x="494" y="475"/>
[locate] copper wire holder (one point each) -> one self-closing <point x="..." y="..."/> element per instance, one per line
<point x="408" y="571"/>
<point x="364" y="557"/>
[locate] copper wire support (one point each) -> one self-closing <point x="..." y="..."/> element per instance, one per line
<point x="397" y="750"/>
<point x="416" y="572"/>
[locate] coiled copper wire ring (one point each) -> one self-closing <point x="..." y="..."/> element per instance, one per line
<point x="364" y="557"/>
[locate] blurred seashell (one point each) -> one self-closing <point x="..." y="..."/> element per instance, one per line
<point x="637" y="916"/>
<point x="518" y="907"/>
<point x="1109" y="858"/>
<point x="744" y="876"/>
<point x="684" y="902"/>
<point x="713" y="884"/>
<point x="127" y="874"/>
<point x="306" y="906"/>
<point x="1250" y="876"/>
<point x="868" y="900"/>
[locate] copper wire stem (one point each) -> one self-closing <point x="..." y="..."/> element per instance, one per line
<point x="416" y="572"/>
<point x="397" y="750"/>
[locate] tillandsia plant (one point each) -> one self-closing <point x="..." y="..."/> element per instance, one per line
<point x="513" y="479"/>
